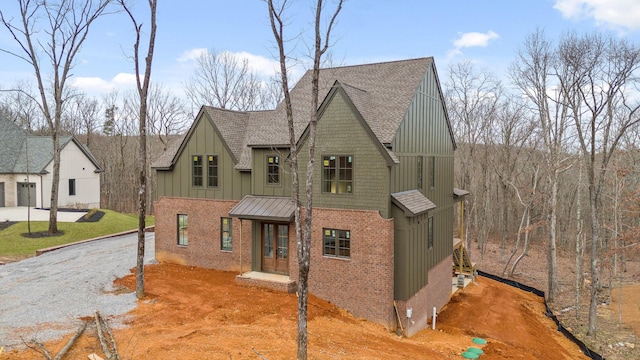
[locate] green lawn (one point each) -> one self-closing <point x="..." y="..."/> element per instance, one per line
<point x="14" y="245"/>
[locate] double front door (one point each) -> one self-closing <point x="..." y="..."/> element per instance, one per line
<point x="275" y="248"/>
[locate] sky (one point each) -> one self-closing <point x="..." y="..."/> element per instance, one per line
<point x="485" y="32"/>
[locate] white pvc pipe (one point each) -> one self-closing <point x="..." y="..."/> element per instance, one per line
<point x="433" y="321"/>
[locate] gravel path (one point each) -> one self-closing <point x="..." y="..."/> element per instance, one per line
<point x="43" y="297"/>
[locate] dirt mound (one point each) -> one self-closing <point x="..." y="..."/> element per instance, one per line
<point x="6" y="224"/>
<point x="194" y="313"/>
<point x="92" y="216"/>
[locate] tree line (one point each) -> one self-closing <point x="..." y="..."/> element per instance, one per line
<point x="551" y="154"/>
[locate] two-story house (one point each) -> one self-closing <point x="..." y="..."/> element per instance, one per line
<point x="383" y="192"/>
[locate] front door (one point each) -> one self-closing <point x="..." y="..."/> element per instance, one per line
<point x="275" y="248"/>
<point x="27" y="194"/>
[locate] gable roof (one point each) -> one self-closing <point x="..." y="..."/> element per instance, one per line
<point x="18" y="149"/>
<point x="381" y="92"/>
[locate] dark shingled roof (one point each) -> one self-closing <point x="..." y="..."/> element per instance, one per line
<point x="273" y="208"/>
<point x="165" y="160"/>
<point x="460" y="192"/>
<point x="412" y="202"/>
<point x="381" y="92"/>
<point x="11" y="139"/>
<point x="17" y="149"/>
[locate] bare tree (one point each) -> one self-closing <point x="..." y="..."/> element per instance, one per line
<point x="115" y="152"/>
<point x="525" y="222"/>
<point x="166" y="114"/>
<point x="81" y="116"/>
<point x="539" y="75"/>
<point x="224" y="80"/>
<point x="65" y="29"/>
<point x="605" y="72"/>
<point x="303" y="236"/>
<point x="142" y="84"/>
<point x="20" y="106"/>
<point x="472" y="100"/>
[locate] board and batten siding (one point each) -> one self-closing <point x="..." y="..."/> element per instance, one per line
<point x="204" y="140"/>
<point x="259" y="184"/>
<point x="423" y="134"/>
<point x="340" y="132"/>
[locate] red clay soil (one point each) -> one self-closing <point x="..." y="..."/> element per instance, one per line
<point x="194" y="313"/>
<point x="630" y="306"/>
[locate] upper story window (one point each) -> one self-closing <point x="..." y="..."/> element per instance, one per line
<point x="432" y="172"/>
<point x="337" y="174"/>
<point x="419" y="170"/>
<point x="72" y="187"/>
<point x="196" y="170"/>
<point x="336" y="243"/>
<point x="430" y="233"/>
<point x="273" y="170"/>
<point x="212" y="170"/>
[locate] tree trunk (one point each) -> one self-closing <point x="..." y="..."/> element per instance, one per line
<point x="551" y="251"/>
<point x="55" y="184"/>
<point x="593" y="302"/>
<point x="579" y="258"/>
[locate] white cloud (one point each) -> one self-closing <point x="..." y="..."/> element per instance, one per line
<point x="473" y="39"/>
<point x="96" y="85"/>
<point x="259" y="64"/>
<point x="620" y="14"/>
<point x="192" y="54"/>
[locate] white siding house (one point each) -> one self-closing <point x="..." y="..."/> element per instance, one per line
<point x="26" y="171"/>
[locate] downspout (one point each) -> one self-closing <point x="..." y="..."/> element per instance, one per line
<point x="240" y="246"/>
<point x="41" y="194"/>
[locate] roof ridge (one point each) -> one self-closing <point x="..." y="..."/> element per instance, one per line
<point x="376" y="63"/>
<point x="227" y="110"/>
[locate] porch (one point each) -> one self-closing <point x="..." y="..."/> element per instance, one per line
<point x="464" y="270"/>
<point x="271" y="281"/>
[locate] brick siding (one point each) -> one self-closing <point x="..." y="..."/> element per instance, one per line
<point x="435" y="294"/>
<point x="362" y="284"/>
<point x="203" y="248"/>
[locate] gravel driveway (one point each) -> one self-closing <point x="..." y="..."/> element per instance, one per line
<point x="43" y="297"/>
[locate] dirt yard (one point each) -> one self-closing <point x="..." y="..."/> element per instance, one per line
<point x="193" y="313"/>
<point x="615" y="340"/>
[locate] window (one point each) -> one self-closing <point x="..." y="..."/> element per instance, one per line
<point x="197" y="170"/>
<point x="419" y="170"/>
<point x="225" y="234"/>
<point x="72" y="186"/>
<point x="432" y="172"/>
<point x="273" y="170"/>
<point x="430" y="233"/>
<point x="337" y="243"/>
<point x="183" y="232"/>
<point x="337" y="174"/>
<point x="212" y="171"/>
